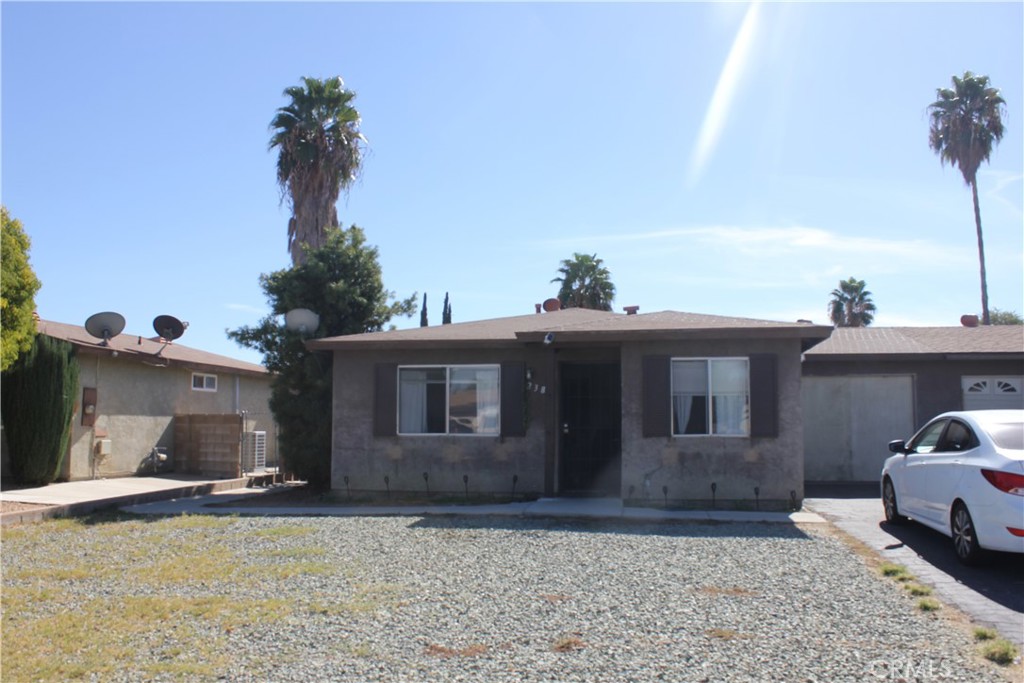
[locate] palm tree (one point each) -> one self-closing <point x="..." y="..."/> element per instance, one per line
<point x="319" y="155"/>
<point x="585" y="283"/>
<point x="966" y="124"/>
<point x="851" y="304"/>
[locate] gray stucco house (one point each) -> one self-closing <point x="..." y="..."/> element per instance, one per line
<point x="864" y="387"/>
<point x="134" y="389"/>
<point x="575" y="402"/>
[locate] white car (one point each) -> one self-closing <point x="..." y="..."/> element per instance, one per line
<point x="962" y="474"/>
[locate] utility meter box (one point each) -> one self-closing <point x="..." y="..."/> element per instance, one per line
<point x="104" y="447"/>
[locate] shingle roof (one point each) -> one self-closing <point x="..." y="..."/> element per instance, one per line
<point x="574" y="325"/>
<point x="888" y="341"/>
<point x="148" y="350"/>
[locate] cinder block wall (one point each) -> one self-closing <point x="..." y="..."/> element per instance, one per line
<point x="209" y="445"/>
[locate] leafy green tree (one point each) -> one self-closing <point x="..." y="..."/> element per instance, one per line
<point x="966" y="123"/>
<point x="37" y="401"/>
<point x="999" y="317"/>
<point x="320" y="151"/>
<point x="586" y="283"/>
<point x="18" y="287"/>
<point x="341" y="281"/>
<point x="851" y="304"/>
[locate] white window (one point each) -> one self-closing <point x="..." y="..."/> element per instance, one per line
<point x="458" y="399"/>
<point x="202" y="382"/>
<point x="710" y="396"/>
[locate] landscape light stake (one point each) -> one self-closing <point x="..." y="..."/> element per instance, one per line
<point x="465" y="483"/>
<point x="515" y="480"/>
<point x="792" y="499"/>
<point x="387" y="484"/>
<point x="631" y="490"/>
<point x="347" y="490"/>
<point x="426" y="481"/>
<point x="664" y="492"/>
<point x="714" y="488"/>
<point x="757" y="498"/>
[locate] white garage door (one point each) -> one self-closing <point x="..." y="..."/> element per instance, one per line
<point x="991" y="393"/>
<point x="849" y="422"/>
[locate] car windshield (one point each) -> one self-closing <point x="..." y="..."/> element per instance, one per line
<point x="1007" y="434"/>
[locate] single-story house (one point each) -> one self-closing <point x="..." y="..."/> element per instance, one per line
<point x="674" y="407"/>
<point x="201" y="411"/>
<point x="864" y="387"/>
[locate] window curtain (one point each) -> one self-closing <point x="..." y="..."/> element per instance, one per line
<point x="689" y="397"/>
<point x="488" y="400"/>
<point x="412" y="402"/>
<point x="731" y="412"/>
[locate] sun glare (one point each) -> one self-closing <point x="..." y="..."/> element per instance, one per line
<point x="725" y="91"/>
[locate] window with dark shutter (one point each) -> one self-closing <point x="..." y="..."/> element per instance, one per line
<point x="513" y="397"/>
<point x="385" y="406"/>
<point x="657" y="396"/>
<point x="764" y="403"/>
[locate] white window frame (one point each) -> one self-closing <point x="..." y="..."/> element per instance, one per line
<point x="708" y="362"/>
<point x="205" y="377"/>
<point x="447" y="401"/>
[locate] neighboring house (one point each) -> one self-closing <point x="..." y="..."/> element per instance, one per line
<point x="667" y="406"/>
<point x="133" y="391"/>
<point x="864" y="387"/>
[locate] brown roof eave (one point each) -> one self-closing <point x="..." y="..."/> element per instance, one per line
<point x="570" y="336"/>
<point x="419" y="344"/>
<point x="904" y="357"/>
<point x="153" y="360"/>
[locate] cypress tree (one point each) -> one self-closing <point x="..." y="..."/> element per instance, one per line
<point x="446" y="311"/>
<point x="423" y="312"/>
<point x="38" y="401"/>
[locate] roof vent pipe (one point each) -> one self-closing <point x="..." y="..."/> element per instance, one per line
<point x="631" y="310"/>
<point x="538" y="307"/>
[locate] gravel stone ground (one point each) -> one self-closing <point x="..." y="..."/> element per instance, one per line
<point x="441" y="599"/>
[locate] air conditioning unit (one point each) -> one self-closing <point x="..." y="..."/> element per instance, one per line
<point x="254" y="451"/>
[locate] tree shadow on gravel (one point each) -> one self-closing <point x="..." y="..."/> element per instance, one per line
<point x="631" y="527"/>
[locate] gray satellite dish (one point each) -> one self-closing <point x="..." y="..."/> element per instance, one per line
<point x="169" y="327"/>
<point x="301" y="320"/>
<point x="105" y="326"/>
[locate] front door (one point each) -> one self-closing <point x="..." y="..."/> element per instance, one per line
<point x="590" y="424"/>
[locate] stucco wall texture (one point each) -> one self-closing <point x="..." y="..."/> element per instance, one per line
<point x="135" y="408"/>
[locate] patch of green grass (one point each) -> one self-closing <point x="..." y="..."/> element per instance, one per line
<point x="283" y="531"/>
<point x="896" y="572"/>
<point x="981" y="634"/>
<point x="999" y="651"/>
<point x="917" y="590"/>
<point x="928" y="605"/>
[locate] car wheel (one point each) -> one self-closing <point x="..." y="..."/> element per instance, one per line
<point x="892" y="509"/>
<point x="965" y="537"/>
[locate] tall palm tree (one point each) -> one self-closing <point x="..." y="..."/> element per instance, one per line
<point x="966" y="123"/>
<point x="586" y="283"/>
<point x="320" y="151"/>
<point x="851" y="304"/>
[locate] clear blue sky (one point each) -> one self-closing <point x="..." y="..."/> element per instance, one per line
<point x="720" y="159"/>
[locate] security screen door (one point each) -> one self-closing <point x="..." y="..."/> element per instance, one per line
<point x="590" y="426"/>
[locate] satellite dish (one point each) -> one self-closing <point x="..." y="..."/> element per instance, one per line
<point x="169" y="327"/>
<point x="105" y="326"/>
<point x="301" y="320"/>
<point x="552" y="305"/>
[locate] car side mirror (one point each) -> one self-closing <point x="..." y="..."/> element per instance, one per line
<point x="898" y="446"/>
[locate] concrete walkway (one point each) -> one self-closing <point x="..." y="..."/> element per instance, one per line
<point x="175" y="495"/>
<point x="83" y="497"/>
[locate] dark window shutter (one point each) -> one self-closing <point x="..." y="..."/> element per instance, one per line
<point x="657" y="393"/>
<point x="385" y="399"/>
<point x="764" y="402"/>
<point x="513" y="395"/>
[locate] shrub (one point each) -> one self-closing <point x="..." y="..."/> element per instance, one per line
<point x="37" y="403"/>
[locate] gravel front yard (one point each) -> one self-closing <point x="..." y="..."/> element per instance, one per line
<point x="459" y="599"/>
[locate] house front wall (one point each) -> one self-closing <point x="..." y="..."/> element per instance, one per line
<point x="748" y="471"/>
<point x="745" y="471"/>
<point x="134" y="409"/>
<point x="363" y="461"/>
